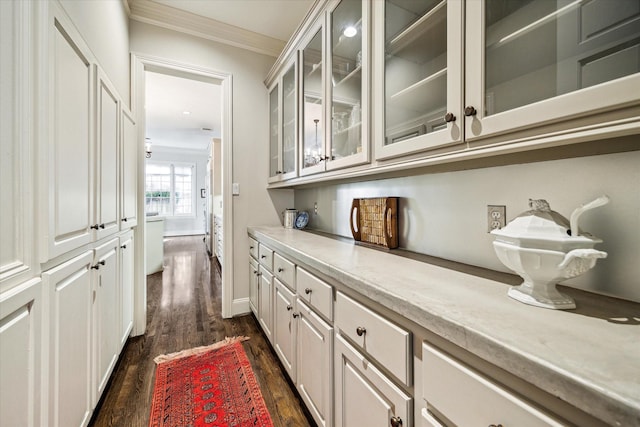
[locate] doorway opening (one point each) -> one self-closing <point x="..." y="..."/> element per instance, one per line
<point x="184" y="181"/>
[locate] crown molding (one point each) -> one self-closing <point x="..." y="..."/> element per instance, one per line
<point x="185" y="22"/>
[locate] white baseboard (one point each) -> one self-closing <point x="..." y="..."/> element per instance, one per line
<point x="177" y="233"/>
<point x="240" y="306"/>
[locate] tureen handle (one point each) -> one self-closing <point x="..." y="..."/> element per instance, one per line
<point x="581" y="253"/>
<point x="573" y="222"/>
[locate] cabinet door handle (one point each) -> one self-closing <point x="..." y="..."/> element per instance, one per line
<point x="308" y="290"/>
<point x="449" y="117"/>
<point x="361" y="331"/>
<point x="280" y="269"/>
<point x="469" y="111"/>
<point x="102" y="226"/>
<point x="396" y="421"/>
<point x="495" y="425"/>
<point x="263" y="256"/>
<point x="289" y="308"/>
<point x="94" y="227"/>
<point x="250" y="247"/>
<point x="95" y="267"/>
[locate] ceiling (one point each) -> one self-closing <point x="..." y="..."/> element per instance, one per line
<point x="262" y="26"/>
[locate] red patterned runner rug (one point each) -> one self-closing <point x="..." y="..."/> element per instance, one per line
<point x="210" y="386"/>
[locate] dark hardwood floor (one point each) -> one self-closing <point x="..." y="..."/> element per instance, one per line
<point x="184" y="311"/>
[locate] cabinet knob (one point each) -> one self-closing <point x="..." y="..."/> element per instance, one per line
<point x="361" y="331"/>
<point x="94" y="227"/>
<point x="469" y="111"/>
<point x="308" y="290"/>
<point x="280" y="269"/>
<point x="124" y="219"/>
<point x="278" y="172"/>
<point x="123" y="246"/>
<point x="95" y="267"/>
<point x="295" y="315"/>
<point x="396" y="421"/>
<point x="289" y="307"/>
<point x="102" y="226"/>
<point x="258" y="274"/>
<point x="449" y="117"/>
<point x="255" y="272"/>
<point x="263" y="256"/>
<point x="250" y="247"/>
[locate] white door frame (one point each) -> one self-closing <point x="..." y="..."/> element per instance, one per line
<point x="139" y="64"/>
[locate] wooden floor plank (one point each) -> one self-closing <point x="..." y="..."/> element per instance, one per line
<point x="183" y="311"/>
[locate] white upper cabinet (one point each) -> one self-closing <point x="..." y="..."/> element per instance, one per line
<point x="348" y="81"/>
<point x="67" y="173"/>
<point x="283" y="126"/>
<point x="17" y="251"/>
<point x="129" y="149"/>
<point x="106" y="194"/>
<point x="312" y="155"/>
<point x="418" y="62"/>
<point x="532" y="63"/>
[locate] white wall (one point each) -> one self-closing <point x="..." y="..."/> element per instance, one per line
<point x="254" y="205"/>
<point x="191" y="225"/>
<point x="104" y="26"/>
<point x="444" y="214"/>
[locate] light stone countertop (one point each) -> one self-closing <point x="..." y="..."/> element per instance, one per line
<point x="588" y="357"/>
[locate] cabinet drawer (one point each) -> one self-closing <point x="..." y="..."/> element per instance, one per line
<point x="386" y="342"/>
<point x="265" y="256"/>
<point x="285" y="271"/>
<point x="315" y="292"/>
<point x="467" y="398"/>
<point x="253" y="248"/>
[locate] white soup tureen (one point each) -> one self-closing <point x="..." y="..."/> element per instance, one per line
<point x="543" y="247"/>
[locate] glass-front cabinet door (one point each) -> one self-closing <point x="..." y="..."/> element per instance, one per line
<point x="418" y="58"/>
<point x="283" y="127"/>
<point x="348" y="85"/>
<point x="313" y="146"/>
<point x="274" y="133"/>
<point x="534" y="62"/>
<point x="289" y="125"/>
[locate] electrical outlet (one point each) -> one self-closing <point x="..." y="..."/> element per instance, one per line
<point x="496" y="217"/>
<point x="315" y="208"/>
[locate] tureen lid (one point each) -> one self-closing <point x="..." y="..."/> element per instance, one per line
<point x="540" y="223"/>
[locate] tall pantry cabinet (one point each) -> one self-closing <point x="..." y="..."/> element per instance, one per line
<point x="69" y="156"/>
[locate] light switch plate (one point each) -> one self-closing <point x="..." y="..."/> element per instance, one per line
<point x="235" y="189"/>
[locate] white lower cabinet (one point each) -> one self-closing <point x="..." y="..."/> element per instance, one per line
<point x="466" y="397"/>
<point x="106" y="314"/>
<point x="265" y="317"/>
<point x="127" y="255"/>
<point x="20" y="350"/>
<point x="70" y="292"/>
<point x="254" y="286"/>
<point x="364" y="395"/>
<point x="315" y="364"/>
<point x="284" y="327"/>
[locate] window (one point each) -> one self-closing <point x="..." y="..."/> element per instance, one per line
<point x="169" y="188"/>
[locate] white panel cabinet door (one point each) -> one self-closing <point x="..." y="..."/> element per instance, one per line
<point x="107" y="194"/>
<point x="20" y="349"/>
<point x="129" y="149"/>
<point x="106" y="309"/>
<point x="254" y="286"/>
<point x="67" y="171"/>
<point x="284" y="327"/>
<point x="70" y="294"/>
<point x="315" y="364"/>
<point x="265" y="317"/>
<point x="364" y="395"/>
<point x="127" y="251"/>
<point x="17" y="251"/>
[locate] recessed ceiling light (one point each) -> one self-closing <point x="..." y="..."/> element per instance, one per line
<point x="186" y="113"/>
<point x="350" y="31"/>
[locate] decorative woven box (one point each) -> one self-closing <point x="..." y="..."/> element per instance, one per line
<point x="375" y="221"/>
